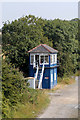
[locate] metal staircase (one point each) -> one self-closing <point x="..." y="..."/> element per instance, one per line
<point x="35" y="78"/>
<point x="39" y="76"/>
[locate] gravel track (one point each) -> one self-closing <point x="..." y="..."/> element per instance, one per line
<point x="64" y="103"/>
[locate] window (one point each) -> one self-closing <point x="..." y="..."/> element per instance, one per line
<point x="51" y="58"/>
<point x="37" y="59"/>
<point x="32" y="59"/>
<point x="46" y="59"/>
<point x="41" y="59"/>
<point x="55" y="58"/>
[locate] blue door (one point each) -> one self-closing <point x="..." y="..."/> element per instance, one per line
<point x="45" y="83"/>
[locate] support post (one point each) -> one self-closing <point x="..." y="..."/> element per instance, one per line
<point x="35" y="77"/>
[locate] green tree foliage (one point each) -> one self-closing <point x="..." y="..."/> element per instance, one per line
<point x="12" y="81"/>
<point x="25" y="33"/>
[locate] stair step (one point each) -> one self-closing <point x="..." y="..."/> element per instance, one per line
<point x="39" y="75"/>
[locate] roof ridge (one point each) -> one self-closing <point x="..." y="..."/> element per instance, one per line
<point x="45" y="47"/>
<point x="50" y="47"/>
<point x="34" y="48"/>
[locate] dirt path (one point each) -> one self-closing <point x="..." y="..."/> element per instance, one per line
<point x="64" y="103"/>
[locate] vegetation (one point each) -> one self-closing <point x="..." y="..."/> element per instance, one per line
<point x="77" y="73"/>
<point x="22" y="35"/>
<point x="66" y="80"/>
<point x="18" y="99"/>
<point x="25" y="33"/>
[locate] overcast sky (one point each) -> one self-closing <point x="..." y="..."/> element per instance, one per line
<point x="46" y="10"/>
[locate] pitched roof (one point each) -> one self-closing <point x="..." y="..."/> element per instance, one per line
<point x="43" y="48"/>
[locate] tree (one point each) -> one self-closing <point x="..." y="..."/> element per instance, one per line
<point x="26" y="33"/>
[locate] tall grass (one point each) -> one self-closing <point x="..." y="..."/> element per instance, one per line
<point x="31" y="104"/>
<point x="66" y="80"/>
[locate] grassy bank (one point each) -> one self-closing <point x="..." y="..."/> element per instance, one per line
<point x="61" y="83"/>
<point x="32" y="102"/>
<point x="66" y="80"/>
<point x="19" y="101"/>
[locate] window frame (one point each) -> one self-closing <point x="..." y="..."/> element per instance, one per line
<point x="39" y="58"/>
<point x="33" y="58"/>
<point x="54" y="61"/>
<point x="48" y="59"/>
<point x="51" y="62"/>
<point x="44" y="59"/>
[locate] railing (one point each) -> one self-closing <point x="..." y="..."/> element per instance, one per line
<point x="35" y="64"/>
<point x="35" y="78"/>
<point x="40" y="81"/>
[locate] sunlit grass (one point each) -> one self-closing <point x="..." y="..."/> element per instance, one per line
<point x="29" y="110"/>
<point x="66" y="80"/>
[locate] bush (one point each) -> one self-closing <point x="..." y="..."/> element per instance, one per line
<point x="12" y="81"/>
<point x="17" y="98"/>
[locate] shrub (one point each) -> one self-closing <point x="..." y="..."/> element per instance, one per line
<point x="17" y="98"/>
<point x="11" y="87"/>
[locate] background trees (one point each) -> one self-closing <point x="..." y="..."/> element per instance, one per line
<point x="25" y="33"/>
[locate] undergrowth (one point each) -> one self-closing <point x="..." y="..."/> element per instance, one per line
<point x="77" y="73"/>
<point x="31" y="104"/>
<point x="66" y="80"/>
<point x="19" y="101"/>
